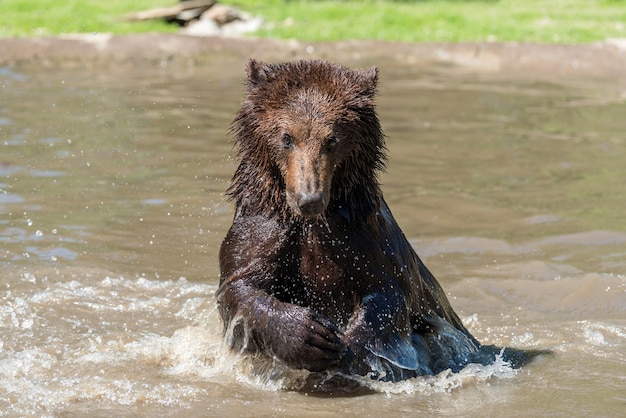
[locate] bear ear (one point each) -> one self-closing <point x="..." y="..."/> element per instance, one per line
<point x="372" y="75"/>
<point x="370" y="81"/>
<point x="257" y="72"/>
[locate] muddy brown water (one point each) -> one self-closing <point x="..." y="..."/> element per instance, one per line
<point x="510" y="186"/>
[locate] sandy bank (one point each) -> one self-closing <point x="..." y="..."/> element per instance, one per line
<point x="605" y="60"/>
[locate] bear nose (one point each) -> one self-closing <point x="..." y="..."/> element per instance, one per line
<point x="311" y="204"/>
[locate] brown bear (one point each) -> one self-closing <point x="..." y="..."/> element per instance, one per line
<point x="315" y="271"/>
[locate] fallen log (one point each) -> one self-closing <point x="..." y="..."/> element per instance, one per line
<point x="171" y="11"/>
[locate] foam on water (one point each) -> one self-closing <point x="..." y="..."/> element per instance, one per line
<point x="271" y="376"/>
<point x="108" y="341"/>
<point x="87" y="340"/>
<point x="115" y="341"/>
<point x="447" y="381"/>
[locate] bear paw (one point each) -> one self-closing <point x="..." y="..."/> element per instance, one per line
<point x="308" y="340"/>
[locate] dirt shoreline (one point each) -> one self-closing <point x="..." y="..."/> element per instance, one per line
<point x="605" y="60"/>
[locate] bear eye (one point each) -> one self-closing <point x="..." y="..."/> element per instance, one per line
<point x="332" y="141"/>
<point x="287" y="141"/>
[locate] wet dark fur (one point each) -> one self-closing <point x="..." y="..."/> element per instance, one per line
<point x="337" y="286"/>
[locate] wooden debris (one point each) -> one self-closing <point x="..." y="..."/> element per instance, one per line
<point x="222" y="14"/>
<point x="170" y="12"/>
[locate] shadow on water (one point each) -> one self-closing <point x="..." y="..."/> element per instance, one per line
<point x="111" y="214"/>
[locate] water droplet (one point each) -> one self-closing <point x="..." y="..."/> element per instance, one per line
<point x="29" y="278"/>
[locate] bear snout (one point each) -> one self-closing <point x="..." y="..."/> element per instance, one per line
<point x="311" y="204"/>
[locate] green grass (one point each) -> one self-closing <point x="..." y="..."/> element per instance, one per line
<point x="563" y="21"/>
<point x="554" y="21"/>
<point x="24" y="18"/>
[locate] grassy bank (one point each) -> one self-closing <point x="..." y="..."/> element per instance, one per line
<point x="560" y="21"/>
<point x="53" y="17"/>
<point x="556" y="21"/>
